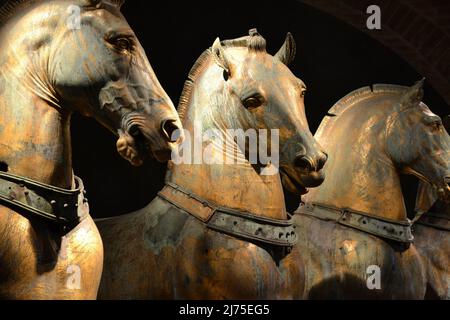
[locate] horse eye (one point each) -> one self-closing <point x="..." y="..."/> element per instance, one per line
<point x="437" y="126"/>
<point x="225" y="75"/>
<point x="252" y="103"/>
<point x="123" y="43"/>
<point x="303" y="93"/>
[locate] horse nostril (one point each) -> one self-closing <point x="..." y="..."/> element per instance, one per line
<point x="134" y="131"/>
<point x="3" y="166"/>
<point x="323" y="158"/>
<point x="303" y="163"/>
<point x="171" y="130"/>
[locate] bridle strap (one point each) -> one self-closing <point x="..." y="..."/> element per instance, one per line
<point x="436" y="220"/>
<point x="233" y="222"/>
<point x="399" y="231"/>
<point x="36" y="199"/>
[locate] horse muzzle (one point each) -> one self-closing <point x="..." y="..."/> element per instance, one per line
<point x="299" y="181"/>
<point x="139" y="139"/>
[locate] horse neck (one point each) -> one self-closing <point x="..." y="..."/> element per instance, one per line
<point x="359" y="173"/>
<point x="237" y="186"/>
<point x="34" y="133"/>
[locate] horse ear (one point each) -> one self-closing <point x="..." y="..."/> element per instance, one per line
<point x="219" y="56"/>
<point x="413" y="95"/>
<point x="286" y="54"/>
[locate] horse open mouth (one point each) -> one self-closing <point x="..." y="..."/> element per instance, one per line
<point x="144" y="148"/>
<point x="132" y="146"/>
<point x="292" y="184"/>
<point x="141" y="143"/>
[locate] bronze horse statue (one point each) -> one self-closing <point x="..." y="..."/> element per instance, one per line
<point x="432" y="240"/>
<point x="432" y="236"/>
<point x="354" y="233"/>
<point x="219" y="230"/>
<point x="58" y="57"/>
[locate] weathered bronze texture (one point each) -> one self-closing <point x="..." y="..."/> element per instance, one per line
<point x="164" y="252"/>
<point x="240" y="224"/>
<point x="393" y="230"/>
<point x="51" y="66"/>
<point x="432" y="237"/>
<point x="60" y="207"/>
<point x="371" y="136"/>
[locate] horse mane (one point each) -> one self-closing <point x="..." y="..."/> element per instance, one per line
<point x="254" y="42"/>
<point x="363" y="93"/>
<point x="188" y="86"/>
<point x="12" y="7"/>
<point x="356" y="96"/>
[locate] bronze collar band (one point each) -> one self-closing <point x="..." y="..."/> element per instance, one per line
<point x="53" y="204"/>
<point x="392" y="230"/>
<point x="233" y="222"/>
<point x="436" y="220"/>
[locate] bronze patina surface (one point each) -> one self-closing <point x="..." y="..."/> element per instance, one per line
<point x="50" y="66"/>
<point x="167" y="250"/>
<point x="372" y="136"/>
<point x="432" y="238"/>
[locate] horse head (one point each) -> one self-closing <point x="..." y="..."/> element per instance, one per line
<point x="81" y="55"/>
<point x="260" y="92"/>
<point x="418" y="142"/>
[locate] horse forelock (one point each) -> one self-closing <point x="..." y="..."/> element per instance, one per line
<point x="255" y="43"/>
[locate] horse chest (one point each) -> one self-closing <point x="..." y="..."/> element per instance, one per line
<point x="184" y="259"/>
<point x="349" y="264"/>
<point x="433" y="246"/>
<point x="36" y="264"/>
<point x="228" y="268"/>
<point x="189" y="261"/>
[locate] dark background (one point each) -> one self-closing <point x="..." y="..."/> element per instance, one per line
<point x="333" y="59"/>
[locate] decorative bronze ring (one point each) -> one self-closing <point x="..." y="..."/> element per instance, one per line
<point x="399" y="231"/>
<point x="35" y="199"/>
<point x="436" y="220"/>
<point x="239" y="224"/>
